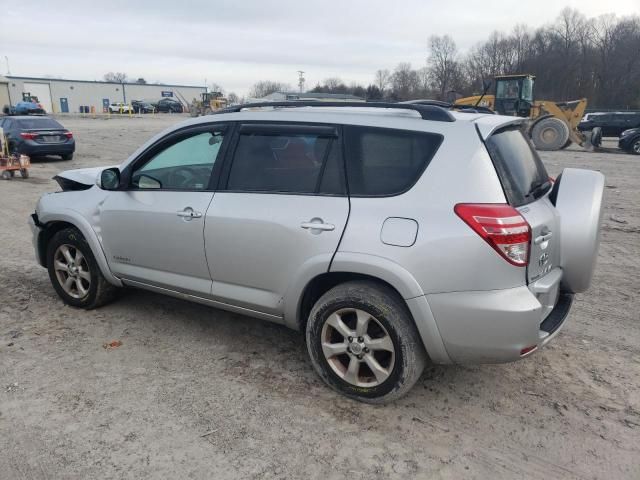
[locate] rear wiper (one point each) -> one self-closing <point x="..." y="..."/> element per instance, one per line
<point x="539" y="189"/>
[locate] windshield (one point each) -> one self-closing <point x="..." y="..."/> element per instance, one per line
<point x="523" y="176"/>
<point x="508" y="89"/>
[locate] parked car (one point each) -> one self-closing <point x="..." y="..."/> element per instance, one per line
<point x="38" y="136"/>
<point x="24" y="108"/>
<point x="630" y="141"/>
<point x="140" y="106"/>
<point x="611" y="124"/>
<point x="389" y="236"/>
<point x="119" y="107"/>
<point x="169" y="105"/>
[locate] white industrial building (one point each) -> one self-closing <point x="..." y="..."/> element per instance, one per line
<point x="61" y="96"/>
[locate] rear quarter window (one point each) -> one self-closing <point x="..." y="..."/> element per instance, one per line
<point x="385" y="162"/>
<point x="521" y="172"/>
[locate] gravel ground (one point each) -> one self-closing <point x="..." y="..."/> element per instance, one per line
<point x="194" y="392"/>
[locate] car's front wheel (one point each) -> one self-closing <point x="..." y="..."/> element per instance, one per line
<point x="635" y="147"/>
<point x="363" y="343"/>
<point x="74" y="272"/>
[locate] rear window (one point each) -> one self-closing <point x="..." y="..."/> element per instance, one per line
<point x="522" y="173"/>
<point x="383" y="162"/>
<point x="35" y="122"/>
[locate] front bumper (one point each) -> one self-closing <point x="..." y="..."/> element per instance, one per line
<point x="499" y="326"/>
<point x="36" y="228"/>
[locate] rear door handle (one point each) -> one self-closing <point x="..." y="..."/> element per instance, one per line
<point x="326" y="227"/>
<point x="542" y="238"/>
<point x="188" y="213"/>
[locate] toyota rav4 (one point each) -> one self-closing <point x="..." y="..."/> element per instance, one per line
<point x="390" y="234"/>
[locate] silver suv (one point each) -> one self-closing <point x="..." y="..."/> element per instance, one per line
<point x="390" y="234"/>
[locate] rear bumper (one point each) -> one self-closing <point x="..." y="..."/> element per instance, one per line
<point x="32" y="148"/>
<point x="496" y="326"/>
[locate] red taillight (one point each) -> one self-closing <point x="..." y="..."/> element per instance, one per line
<point x="28" y="136"/>
<point x="68" y="134"/>
<point x="501" y="226"/>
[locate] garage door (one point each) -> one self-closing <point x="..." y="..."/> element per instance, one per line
<point x="42" y="91"/>
<point x="4" y="95"/>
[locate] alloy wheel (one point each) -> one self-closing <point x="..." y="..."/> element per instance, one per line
<point x="357" y="347"/>
<point x="72" y="271"/>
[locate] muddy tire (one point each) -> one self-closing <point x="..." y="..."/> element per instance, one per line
<point x="363" y="343"/>
<point x="550" y="134"/>
<point x="74" y="272"/>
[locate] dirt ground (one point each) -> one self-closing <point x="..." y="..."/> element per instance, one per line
<point x="199" y="393"/>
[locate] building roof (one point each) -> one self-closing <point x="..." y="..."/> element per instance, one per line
<point x="47" y="79"/>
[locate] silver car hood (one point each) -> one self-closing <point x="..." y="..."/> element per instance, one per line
<point x="85" y="176"/>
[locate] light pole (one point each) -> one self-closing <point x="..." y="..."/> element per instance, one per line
<point x="301" y="80"/>
<point x="6" y="59"/>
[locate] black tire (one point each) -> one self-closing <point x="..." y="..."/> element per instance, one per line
<point x="550" y="133"/>
<point x="635" y="147"/>
<point x="68" y="156"/>
<point x="99" y="292"/>
<point x="596" y="136"/>
<point x="390" y="311"/>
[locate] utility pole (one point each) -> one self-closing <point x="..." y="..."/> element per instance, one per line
<point x="301" y="80"/>
<point x="6" y="59"/>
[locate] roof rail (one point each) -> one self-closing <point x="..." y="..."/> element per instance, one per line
<point x="427" y="112"/>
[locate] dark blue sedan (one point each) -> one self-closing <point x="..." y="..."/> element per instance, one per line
<point x="37" y="136"/>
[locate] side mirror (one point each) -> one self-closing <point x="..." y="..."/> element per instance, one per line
<point x="109" y="179"/>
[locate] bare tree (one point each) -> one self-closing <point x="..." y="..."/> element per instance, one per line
<point x="233" y="98"/>
<point x="405" y="82"/>
<point x="266" y="87"/>
<point x="442" y="63"/>
<point x="216" y="87"/>
<point x="115" y="77"/>
<point x="383" y="79"/>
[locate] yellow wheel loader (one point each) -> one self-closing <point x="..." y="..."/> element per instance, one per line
<point x="208" y="103"/>
<point x="553" y="125"/>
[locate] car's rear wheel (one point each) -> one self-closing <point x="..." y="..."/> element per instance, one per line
<point x="68" y="156"/>
<point x="74" y="272"/>
<point x="363" y="343"/>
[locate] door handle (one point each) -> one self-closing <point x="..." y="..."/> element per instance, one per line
<point x="325" y="227"/>
<point x="188" y="213"/>
<point x="542" y="238"/>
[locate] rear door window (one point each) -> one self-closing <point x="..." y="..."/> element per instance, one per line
<point x="522" y="173"/>
<point x="287" y="159"/>
<point x="384" y="162"/>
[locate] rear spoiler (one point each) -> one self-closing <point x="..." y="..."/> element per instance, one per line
<point x="488" y="124"/>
